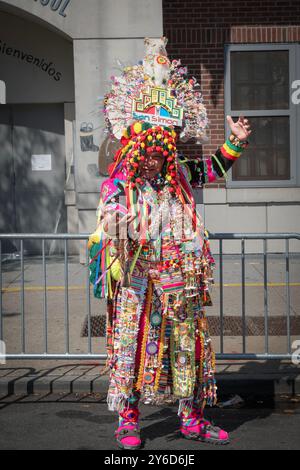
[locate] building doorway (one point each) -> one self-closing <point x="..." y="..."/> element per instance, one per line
<point x="32" y="172"/>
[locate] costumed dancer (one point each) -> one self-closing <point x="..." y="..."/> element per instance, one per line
<point x="150" y="254"/>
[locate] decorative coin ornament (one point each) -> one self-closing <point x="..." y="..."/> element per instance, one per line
<point x="181" y="359"/>
<point x="155" y="319"/>
<point x="125" y="341"/>
<point x="152" y="348"/>
<point x="183" y="329"/>
<point x="148" y="378"/>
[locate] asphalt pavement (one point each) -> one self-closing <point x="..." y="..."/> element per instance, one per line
<point x="83" y="422"/>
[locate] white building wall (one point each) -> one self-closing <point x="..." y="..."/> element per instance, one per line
<point x="252" y="210"/>
<point x="94" y="19"/>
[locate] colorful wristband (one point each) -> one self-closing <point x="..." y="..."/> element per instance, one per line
<point x="232" y="151"/>
<point x="233" y="147"/>
<point x="227" y="154"/>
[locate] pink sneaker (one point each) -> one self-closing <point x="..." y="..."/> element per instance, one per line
<point x="128" y="432"/>
<point x="197" y="428"/>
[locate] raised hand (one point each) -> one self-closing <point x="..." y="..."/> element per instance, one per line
<point x="241" y="129"/>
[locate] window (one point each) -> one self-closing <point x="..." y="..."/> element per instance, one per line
<point x="258" y="85"/>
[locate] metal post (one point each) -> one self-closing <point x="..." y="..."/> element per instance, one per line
<point x="288" y="294"/>
<point x="243" y="295"/>
<point x="22" y="298"/>
<point x="88" y="301"/>
<point x="45" y="304"/>
<point x="266" y="307"/>
<point x="221" y="299"/>
<point x="67" y="333"/>
<point x="1" y="316"/>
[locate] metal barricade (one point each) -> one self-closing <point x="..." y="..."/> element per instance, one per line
<point x="265" y="237"/>
<point x="221" y="237"/>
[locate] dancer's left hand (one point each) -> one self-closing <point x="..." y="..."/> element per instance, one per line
<point x="241" y="129"/>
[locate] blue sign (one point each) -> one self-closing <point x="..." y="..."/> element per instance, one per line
<point x="56" y="5"/>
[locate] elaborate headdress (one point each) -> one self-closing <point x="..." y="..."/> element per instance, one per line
<point x="159" y="92"/>
<point x="147" y="109"/>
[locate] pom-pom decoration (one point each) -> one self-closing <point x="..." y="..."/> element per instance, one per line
<point x="145" y="139"/>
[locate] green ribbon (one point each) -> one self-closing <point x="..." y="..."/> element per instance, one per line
<point x="220" y="165"/>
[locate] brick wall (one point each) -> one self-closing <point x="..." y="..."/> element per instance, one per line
<point x="197" y="32"/>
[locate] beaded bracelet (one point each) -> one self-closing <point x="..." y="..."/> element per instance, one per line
<point x="233" y="147"/>
<point x="237" y="142"/>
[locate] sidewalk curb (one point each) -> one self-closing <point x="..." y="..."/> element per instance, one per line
<point x="230" y="383"/>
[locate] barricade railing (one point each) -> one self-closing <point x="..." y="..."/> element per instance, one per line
<point x="220" y="237"/>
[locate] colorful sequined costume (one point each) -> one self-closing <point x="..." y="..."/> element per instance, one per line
<point x="156" y="273"/>
<point x="157" y="277"/>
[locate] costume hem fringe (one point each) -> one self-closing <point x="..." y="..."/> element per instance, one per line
<point x="121" y="401"/>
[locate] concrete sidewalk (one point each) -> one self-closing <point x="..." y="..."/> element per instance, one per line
<point x="245" y="378"/>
